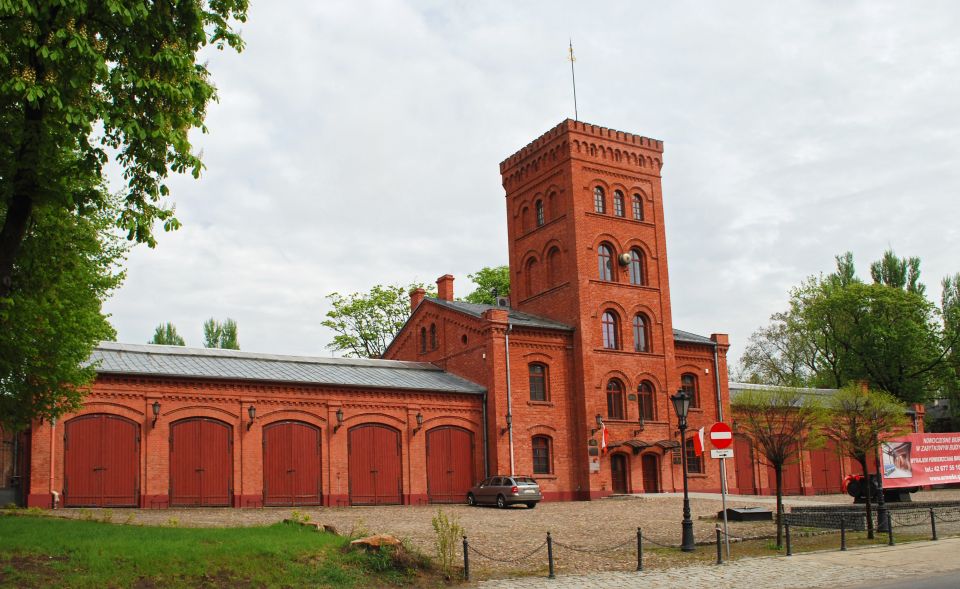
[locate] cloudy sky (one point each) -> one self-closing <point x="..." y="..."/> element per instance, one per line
<point x="358" y="143"/>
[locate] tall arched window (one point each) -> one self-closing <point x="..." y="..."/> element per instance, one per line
<point x="554" y="272"/>
<point x="641" y="333"/>
<point x="605" y="262"/>
<point x="637" y="207"/>
<point x="423" y="339"/>
<point x="688" y="382"/>
<point x="618" y="208"/>
<point x="609" y="324"/>
<point x="531" y="281"/>
<point x="694" y="462"/>
<point x="538" y="382"/>
<point x="599" y="200"/>
<point x="615" y="399"/>
<point x="433" y="336"/>
<point x="538" y="207"/>
<point x="637" y="267"/>
<point x="541" y="455"/>
<point x="645" y="400"/>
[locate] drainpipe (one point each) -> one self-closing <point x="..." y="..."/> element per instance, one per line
<point x="509" y="398"/>
<point x="486" y="441"/>
<point x="716" y="378"/>
<point x="54" y="496"/>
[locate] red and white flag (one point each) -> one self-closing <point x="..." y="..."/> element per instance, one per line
<point x="698" y="443"/>
<point x="603" y="439"/>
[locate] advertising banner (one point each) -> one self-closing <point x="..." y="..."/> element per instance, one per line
<point x="915" y="460"/>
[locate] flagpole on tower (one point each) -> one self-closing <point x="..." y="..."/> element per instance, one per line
<point x="573" y="76"/>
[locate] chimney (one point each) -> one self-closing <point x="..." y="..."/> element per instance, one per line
<point x="445" y="287"/>
<point x="416" y="297"/>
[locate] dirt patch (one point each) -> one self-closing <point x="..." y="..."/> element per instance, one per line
<point x="30" y="570"/>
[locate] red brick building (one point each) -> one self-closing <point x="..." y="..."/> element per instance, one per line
<point x="464" y="390"/>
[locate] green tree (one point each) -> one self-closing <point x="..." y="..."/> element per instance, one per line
<point x="859" y="421"/>
<point x="366" y="323"/>
<point x="166" y="335"/>
<point x="69" y="263"/>
<point x="81" y="80"/>
<point x="220" y="335"/>
<point x="489" y="280"/>
<point x="950" y="308"/>
<point x="779" y="424"/>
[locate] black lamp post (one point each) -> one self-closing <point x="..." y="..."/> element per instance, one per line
<point x="681" y="404"/>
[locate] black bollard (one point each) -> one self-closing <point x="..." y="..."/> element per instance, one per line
<point x="550" y="555"/>
<point x="466" y="560"/>
<point x="889" y="531"/>
<point x="843" y="534"/>
<point x="789" y="548"/>
<point x="639" y="550"/>
<point x="933" y="525"/>
<point x="719" y="547"/>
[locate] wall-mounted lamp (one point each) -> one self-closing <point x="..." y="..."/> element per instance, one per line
<point x="636" y="432"/>
<point x="156" y="412"/>
<point x="509" y="421"/>
<point x="599" y="425"/>
<point x="339" y="420"/>
<point x="252" y="412"/>
<point x="419" y="423"/>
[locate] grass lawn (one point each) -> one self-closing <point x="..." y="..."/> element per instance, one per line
<point x="44" y="552"/>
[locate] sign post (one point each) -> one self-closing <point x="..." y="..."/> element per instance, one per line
<point x="721" y="436"/>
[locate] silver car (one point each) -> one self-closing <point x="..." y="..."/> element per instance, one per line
<point x="505" y="490"/>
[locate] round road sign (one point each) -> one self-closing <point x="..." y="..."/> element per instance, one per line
<point x="721" y="436"/>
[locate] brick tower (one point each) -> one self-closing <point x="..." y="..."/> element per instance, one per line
<point x="588" y="248"/>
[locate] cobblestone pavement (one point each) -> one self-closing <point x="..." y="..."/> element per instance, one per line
<point x="805" y="571"/>
<point x="510" y="533"/>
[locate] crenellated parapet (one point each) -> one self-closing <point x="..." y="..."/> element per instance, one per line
<point x="583" y="141"/>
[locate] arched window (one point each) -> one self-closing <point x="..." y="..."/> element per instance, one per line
<point x="637" y="267"/>
<point x="694" y="462"/>
<point x="541" y="455"/>
<point x="605" y="262"/>
<point x="539" y="209"/>
<point x="599" y="200"/>
<point x="552" y="205"/>
<point x="538" y="382"/>
<point x="609" y="325"/>
<point x="637" y="207"/>
<point x="554" y="272"/>
<point x="618" y="209"/>
<point x="645" y="400"/>
<point x="688" y="382"/>
<point x="423" y="339"/>
<point x="525" y="219"/>
<point x="433" y="336"/>
<point x="531" y="281"/>
<point x="641" y="333"/>
<point x="614" y="399"/>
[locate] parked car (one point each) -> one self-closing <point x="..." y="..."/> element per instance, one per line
<point x="505" y="490"/>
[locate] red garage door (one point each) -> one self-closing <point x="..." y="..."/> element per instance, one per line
<point x="743" y="462"/>
<point x="101" y="462"/>
<point x="291" y="464"/>
<point x="374" y="452"/>
<point x="825" y="468"/>
<point x="449" y="464"/>
<point x="201" y="464"/>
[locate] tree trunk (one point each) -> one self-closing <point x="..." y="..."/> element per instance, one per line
<point x="778" y="469"/>
<point x="866" y="479"/>
<point x="20" y="206"/>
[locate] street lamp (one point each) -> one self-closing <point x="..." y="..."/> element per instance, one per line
<point x="681" y="404"/>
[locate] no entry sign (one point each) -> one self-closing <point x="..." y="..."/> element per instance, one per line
<point x="721" y="436"/>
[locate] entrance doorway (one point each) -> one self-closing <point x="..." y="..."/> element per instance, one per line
<point x="651" y="473"/>
<point x="619" y="473"/>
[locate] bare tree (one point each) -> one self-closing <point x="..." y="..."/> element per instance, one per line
<point x="779" y="423"/>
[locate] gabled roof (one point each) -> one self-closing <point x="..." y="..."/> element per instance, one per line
<point x="515" y="318"/>
<point x="178" y="361"/>
<point x="691" y="338"/>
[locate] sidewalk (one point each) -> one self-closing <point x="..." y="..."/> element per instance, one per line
<point x="803" y="571"/>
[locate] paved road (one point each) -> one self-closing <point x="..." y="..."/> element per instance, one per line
<point x="938" y="581"/>
<point x="854" y="568"/>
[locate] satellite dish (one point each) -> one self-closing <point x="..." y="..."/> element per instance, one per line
<point x="625" y="259"/>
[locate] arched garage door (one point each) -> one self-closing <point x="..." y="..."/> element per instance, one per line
<point x="101" y="462"/>
<point x="449" y="464"/>
<point x="291" y="464"/>
<point x="374" y="452"/>
<point x="201" y="464"/>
